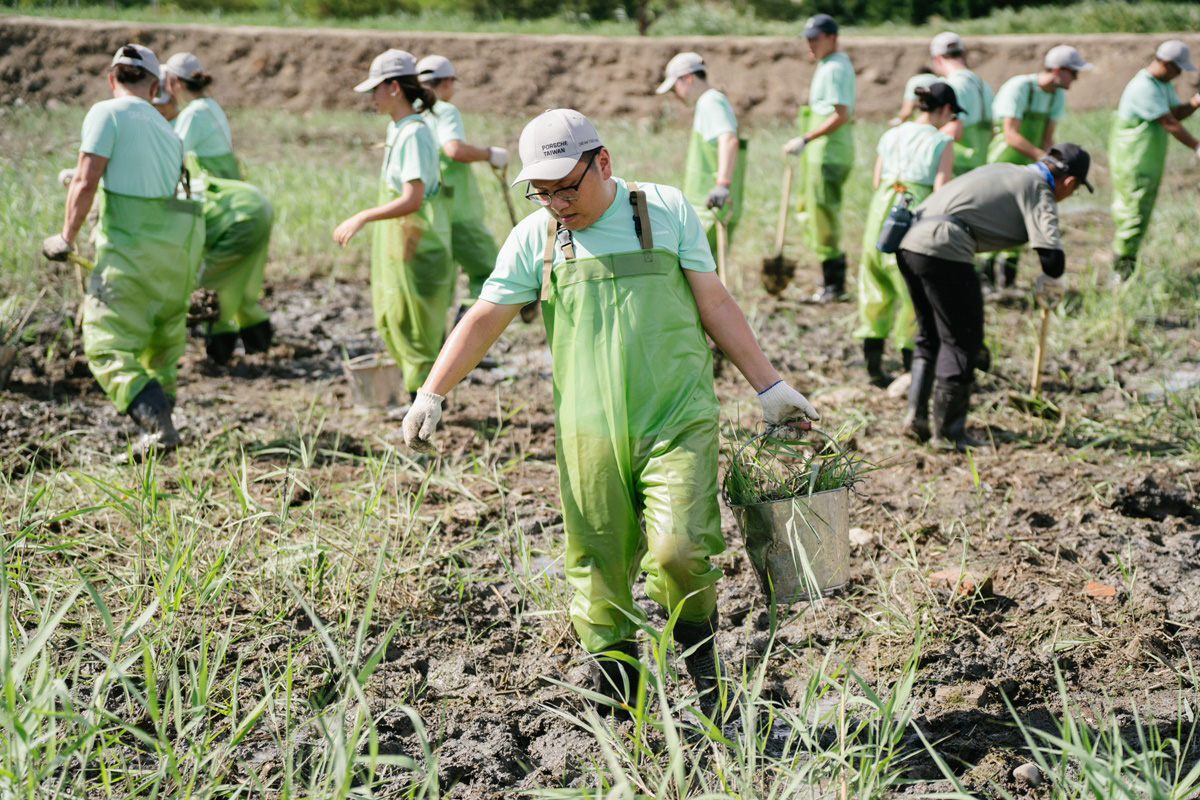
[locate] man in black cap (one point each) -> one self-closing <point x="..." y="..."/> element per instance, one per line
<point x="994" y="207"/>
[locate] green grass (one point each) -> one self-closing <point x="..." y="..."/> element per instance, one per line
<point x="688" y="19"/>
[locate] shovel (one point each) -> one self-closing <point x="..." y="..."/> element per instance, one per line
<point x="529" y="311"/>
<point x="722" y="244"/>
<point x="1039" y="357"/>
<point x="777" y="270"/>
<point x="1033" y="403"/>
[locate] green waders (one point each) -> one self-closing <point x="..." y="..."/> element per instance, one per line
<point x="971" y="150"/>
<point x="883" y="303"/>
<point x="1137" y="154"/>
<point x="699" y="178"/>
<point x="1032" y="127"/>
<point x="135" y="312"/>
<point x="470" y="240"/>
<point x="237" y="222"/>
<point x="412" y="283"/>
<point x="827" y="164"/>
<point x="225" y="166"/>
<point x="636" y="423"/>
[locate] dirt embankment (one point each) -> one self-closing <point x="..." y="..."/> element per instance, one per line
<point x="300" y="69"/>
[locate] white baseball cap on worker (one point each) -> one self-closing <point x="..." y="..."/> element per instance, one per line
<point x="434" y="68"/>
<point x="1177" y="53"/>
<point x="1066" y="57"/>
<point x="946" y="43"/>
<point x="680" y="64"/>
<point x="183" y="65"/>
<point x="162" y="97"/>
<point x="388" y="64"/>
<point x="137" y="55"/>
<point x="551" y="145"/>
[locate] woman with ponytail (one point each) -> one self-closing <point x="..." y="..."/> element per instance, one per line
<point x="412" y="274"/>
<point x="201" y="123"/>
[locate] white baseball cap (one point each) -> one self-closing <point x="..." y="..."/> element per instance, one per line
<point x="183" y="65"/>
<point x="434" y="68"/>
<point x="679" y="65"/>
<point x="137" y="55"/>
<point x="1066" y="57"/>
<point x="1177" y="53"/>
<point x="162" y="97"/>
<point x="388" y="64"/>
<point x="552" y="144"/>
<point x="945" y="43"/>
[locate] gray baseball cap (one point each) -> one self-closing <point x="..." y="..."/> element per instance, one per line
<point x="137" y="55"/>
<point x="680" y="65"/>
<point x="434" y="68"/>
<point x="946" y="43"/>
<point x="551" y="145"/>
<point x="817" y="24"/>
<point x="1177" y="53"/>
<point x="1066" y="57"/>
<point x="183" y="65"/>
<point x="388" y="64"/>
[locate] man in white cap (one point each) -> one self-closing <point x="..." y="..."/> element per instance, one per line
<point x="148" y="247"/>
<point x="470" y="240"/>
<point x="972" y="131"/>
<point x="1149" y="110"/>
<point x="827" y="145"/>
<point x="715" y="176"/>
<point x="1028" y="108"/>
<point x="629" y="290"/>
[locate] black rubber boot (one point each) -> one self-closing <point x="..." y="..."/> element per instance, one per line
<point x="907" y="357"/>
<point x="987" y="272"/>
<point x="703" y="664"/>
<point x="151" y="410"/>
<point x="916" y="420"/>
<point x="257" y="338"/>
<point x="873" y="355"/>
<point x="833" y="274"/>
<point x="951" y="401"/>
<point x="219" y="347"/>
<point x="617" y="679"/>
<point x="1006" y="266"/>
<point x="983" y="359"/>
<point x="1124" y="267"/>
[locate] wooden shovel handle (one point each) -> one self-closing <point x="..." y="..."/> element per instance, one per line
<point x="1035" y="383"/>
<point x="781" y="231"/>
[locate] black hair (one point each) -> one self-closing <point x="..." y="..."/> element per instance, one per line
<point x="197" y="81"/>
<point x="701" y="74"/>
<point x="1057" y="167"/>
<point x="129" y="75"/>
<point x="927" y="102"/>
<point x="420" y="97"/>
<point x="432" y="83"/>
<point x="924" y="71"/>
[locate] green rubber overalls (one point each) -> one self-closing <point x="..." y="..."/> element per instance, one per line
<point x="223" y="166"/>
<point x="1137" y="155"/>
<point x="237" y="221"/>
<point x="1032" y="127"/>
<point x="700" y="176"/>
<point x="412" y="282"/>
<point x="470" y="240"/>
<point x="135" y="312"/>
<point x="826" y="165"/>
<point x="883" y="303"/>
<point x="636" y="423"/>
<point x="971" y="150"/>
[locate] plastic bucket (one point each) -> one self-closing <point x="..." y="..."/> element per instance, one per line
<point x="375" y="381"/>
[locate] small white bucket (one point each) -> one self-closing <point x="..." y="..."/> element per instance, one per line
<point x="375" y="381"/>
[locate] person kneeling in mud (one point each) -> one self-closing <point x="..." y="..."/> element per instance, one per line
<point x="628" y="289"/>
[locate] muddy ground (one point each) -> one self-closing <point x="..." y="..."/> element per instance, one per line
<point x="1044" y="519"/>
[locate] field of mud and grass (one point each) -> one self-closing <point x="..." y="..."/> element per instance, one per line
<point x="295" y="605"/>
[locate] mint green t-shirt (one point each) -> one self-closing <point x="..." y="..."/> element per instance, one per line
<point x="204" y="129"/>
<point x="921" y="81"/>
<point x="411" y="155"/>
<point x="910" y="153"/>
<point x="447" y="123"/>
<point x="832" y="85"/>
<point x="144" y="155"/>
<point x="517" y="277"/>
<point x="974" y="97"/>
<point x="1022" y="94"/>
<point x="1146" y="97"/>
<point x="714" y="116"/>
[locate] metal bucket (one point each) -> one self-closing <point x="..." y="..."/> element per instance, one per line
<point x="375" y="381"/>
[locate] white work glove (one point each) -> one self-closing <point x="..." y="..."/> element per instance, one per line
<point x="65" y="176"/>
<point x="781" y="404"/>
<point x="421" y="421"/>
<point x="1049" y="289"/>
<point x="795" y="146"/>
<point x="56" y="247"/>
<point x="498" y="157"/>
<point x="1198" y="151"/>
<point x="718" y="197"/>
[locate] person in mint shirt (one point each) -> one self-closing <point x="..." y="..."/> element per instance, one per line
<point x="1149" y="110"/>
<point x="827" y="145"/>
<point x="629" y="291"/>
<point x="148" y="247"/>
<point x="715" y="175"/>
<point x="470" y="240"/>
<point x="1028" y="108"/>
<point x="923" y="78"/>
<point x="201" y="123"/>
<point x="972" y="131"/>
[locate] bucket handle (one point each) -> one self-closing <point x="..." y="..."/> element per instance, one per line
<point x="841" y="452"/>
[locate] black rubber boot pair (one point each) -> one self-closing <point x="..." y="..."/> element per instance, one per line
<point x="151" y="410"/>
<point x="916" y="420"/>
<point x="997" y="271"/>
<point x="833" y="274"/>
<point x="219" y="347"/>
<point x="951" y="401"/>
<point x="257" y="338"/>
<point x="698" y="640"/>
<point x="873" y="355"/>
<point x="619" y="671"/>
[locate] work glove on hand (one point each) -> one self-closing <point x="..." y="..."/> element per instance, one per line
<point x="718" y="197"/>
<point x="65" y="176"/>
<point x="795" y="146"/>
<point x="1198" y="151"/>
<point x="421" y="421"/>
<point x="781" y="403"/>
<point x="56" y="247"/>
<point x="498" y="157"/>
<point x="1050" y="290"/>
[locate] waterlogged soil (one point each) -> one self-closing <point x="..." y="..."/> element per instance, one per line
<point x="1084" y="555"/>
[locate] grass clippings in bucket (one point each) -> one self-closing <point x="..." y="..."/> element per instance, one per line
<point x="764" y="468"/>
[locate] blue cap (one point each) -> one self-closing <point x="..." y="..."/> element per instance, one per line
<point x="818" y="24"/>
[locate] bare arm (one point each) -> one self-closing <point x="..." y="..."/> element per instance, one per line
<point x="945" y="168"/>
<point x="409" y="202"/>
<point x="1011" y="128"/>
<point x="839" y="117"/>
<point x="458" y="150"/>
<point x="906" y="110"/>
<point x="1176" y="129"/>
<point x="1048" y="136"/>
<point x="727" y="153"/>
<point x="1185" y="110"/>
<point x="468" y="342"/>
<point x="725" y="323"/>
<point x="878" y="172"/>
<point x="82" y="192"/>
<point x="953" y="129"/>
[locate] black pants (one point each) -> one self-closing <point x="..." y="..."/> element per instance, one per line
<point x="949" y="306"/>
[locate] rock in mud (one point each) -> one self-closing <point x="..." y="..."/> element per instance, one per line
<point x="970" y="695"/>
<point x="1101" y="592"/>
<point x="861" y="537"/>
<point x="1028" y="774"/>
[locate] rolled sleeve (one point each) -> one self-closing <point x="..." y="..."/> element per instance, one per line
<point x="99" y="134"/>
<point x="517" y="276"/>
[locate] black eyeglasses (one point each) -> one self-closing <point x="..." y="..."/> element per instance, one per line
<point x="567" y="194"/>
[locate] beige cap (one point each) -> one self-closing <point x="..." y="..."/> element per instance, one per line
<point x="679" y="65"/>
<point x="137" y="55"/>
<point x="388" y="64"/>
<point x="183" y="65"/>
<point x="1066" y="57"/>
<point x="551" y="145"/>
<point x="946" y="43"/>
<point x="434" y="68"/>
<point x="1177" y="53"/>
